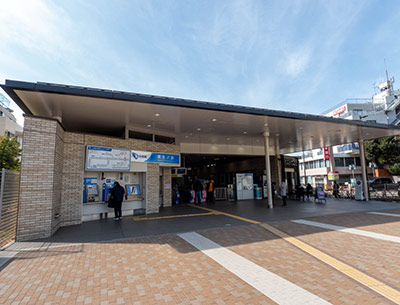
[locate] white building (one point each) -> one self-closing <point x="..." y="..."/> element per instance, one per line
<point x="383" y="108"/>
<point x="8" y="123"/>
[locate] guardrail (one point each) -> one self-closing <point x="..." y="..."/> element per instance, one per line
<point x="9" y="196"/>
<point x="387" y="192"/>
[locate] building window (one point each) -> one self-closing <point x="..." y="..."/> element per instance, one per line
<point x="358" y="161"/>
<point x="348" y="161"/>
<point x="164" y="139"/>
<point x="140" y="135"/>
<point x="339" y="162"/>
<point x="321" y="163"/>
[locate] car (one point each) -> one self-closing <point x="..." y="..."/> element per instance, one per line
<point x="380" y="181"/>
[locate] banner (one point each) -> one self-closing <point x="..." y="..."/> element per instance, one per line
<point x="326" y="153"/>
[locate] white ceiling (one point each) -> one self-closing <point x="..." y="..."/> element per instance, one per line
<point x="110" y="116"/>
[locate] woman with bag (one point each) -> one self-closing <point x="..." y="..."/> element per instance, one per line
<point x="117" y="196"/>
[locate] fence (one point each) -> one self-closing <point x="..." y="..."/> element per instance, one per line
<point x="9" y="191"/>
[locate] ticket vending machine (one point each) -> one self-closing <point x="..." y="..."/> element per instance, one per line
<point x="108" y="184"/>
<point x="90" y="190"/>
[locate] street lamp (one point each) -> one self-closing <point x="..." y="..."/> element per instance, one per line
<point x="372" y="165"/>
<point x="352" y="168"/>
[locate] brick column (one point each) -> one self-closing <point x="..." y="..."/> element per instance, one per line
<point x="167" y="192"/>
<point x="40" y="187"/>
<point x="152" y="188"/>
<point x="72" y="179"/>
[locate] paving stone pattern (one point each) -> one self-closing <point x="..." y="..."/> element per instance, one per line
<point x="167" y="270"/>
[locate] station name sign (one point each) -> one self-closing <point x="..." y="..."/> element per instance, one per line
<point x="152" y="157"/>
<point x="115" y="159"/>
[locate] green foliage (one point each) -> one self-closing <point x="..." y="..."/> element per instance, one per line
<point x="9" y="153"/>
<point x="394" y="169"/>
<point x="384" y="152"/>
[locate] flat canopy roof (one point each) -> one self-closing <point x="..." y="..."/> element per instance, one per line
<point x="110" y="112"/>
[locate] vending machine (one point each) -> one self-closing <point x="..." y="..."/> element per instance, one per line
<point x="108" y="184"/>
<point x="90" y="190"/>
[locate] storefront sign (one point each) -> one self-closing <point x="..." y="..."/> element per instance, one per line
<point x="339" y="110"/>
<point x="167" y="185"/>
<point x="150" y="157"/>
<point x="107" y="159"/>
<point x="326" y="153"/>
<point x="333" y="176"/>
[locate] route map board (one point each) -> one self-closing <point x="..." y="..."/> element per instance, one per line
<point x="107" y="159"/>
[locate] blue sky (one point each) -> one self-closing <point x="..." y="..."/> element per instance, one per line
<point x="302" y="56"/>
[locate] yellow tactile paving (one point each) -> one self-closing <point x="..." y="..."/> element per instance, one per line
<point x="226" y="214"/>
<point x="374" y="284"/>
<point x="370" y="282"/>
<point x="138" y="218"/>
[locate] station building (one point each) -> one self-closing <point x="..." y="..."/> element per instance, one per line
<point x="78" y="141"/>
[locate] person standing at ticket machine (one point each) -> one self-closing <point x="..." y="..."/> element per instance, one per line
<point x="117" y="194"/>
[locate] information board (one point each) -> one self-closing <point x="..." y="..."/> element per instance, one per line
<point x="107" y="159"/>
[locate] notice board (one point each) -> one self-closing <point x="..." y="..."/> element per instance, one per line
<point x="107" y="159"/>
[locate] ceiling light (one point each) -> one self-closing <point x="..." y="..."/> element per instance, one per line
<point x="186" y="136"/>
<point x="157" y="114"/>
<point x="149" y="125"/>
<point x="214" y="120"/>
<point x="266" y="124"/>
<point x="228" y="139"/>
<point x="198" y="129"/>
<point x="244" y="132"/>
<point x="277" y="134"/>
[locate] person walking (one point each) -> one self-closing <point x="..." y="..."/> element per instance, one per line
<point x="335" y="189"/>
<point x="309" y="190"/>
<point x="210" y="192"/>
<point x="198" y="188"/>
<point x="117" y="194"/>
<point x="283" y="192"/>
<point x="273" y="191"/>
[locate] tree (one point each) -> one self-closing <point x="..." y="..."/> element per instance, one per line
<point x="9" y="153"/>
<point x="385" y="153"/>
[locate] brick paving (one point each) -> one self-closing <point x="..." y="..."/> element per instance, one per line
<point x="278" y="256"/>
<point x="364" y="221"/>
<point x="377" y="258"/>
<point x="167" y="270"/>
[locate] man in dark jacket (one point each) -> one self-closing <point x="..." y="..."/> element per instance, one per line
<point x="117" y="193"/>
<point x="198" y="188"/>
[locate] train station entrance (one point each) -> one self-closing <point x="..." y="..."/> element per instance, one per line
<point x="232" y="177"/>
<point x="77" y="141"/>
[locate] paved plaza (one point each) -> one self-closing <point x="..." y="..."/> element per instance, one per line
<point x="230" y="253"/>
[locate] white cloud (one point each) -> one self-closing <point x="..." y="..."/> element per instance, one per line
<point x="36" y="26"/>
<point x="296" y="62"/>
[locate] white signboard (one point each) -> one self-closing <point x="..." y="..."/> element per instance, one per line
<point x="107" y="159"/>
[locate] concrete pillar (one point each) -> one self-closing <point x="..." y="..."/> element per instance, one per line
<point x="268" y="168"/>
<point x="278" y="159"/>
<point x="363" y="169"/>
